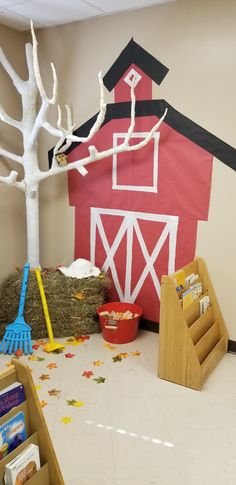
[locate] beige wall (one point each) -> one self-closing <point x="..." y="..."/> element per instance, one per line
<point x="196" y="39"/>
<point x="12" y="211"/>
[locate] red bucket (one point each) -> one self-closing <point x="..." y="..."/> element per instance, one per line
<point x="119" y="331"/>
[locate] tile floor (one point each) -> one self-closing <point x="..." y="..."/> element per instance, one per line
<point x="128" y="427"/>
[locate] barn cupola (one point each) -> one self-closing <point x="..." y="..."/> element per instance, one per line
<point x="134" y="64"/>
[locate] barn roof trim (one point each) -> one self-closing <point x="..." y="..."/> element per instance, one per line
<point x="176" y="120"/>
<point x="133" y="53"/>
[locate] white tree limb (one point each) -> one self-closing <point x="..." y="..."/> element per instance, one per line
<point x="10" y="121"/>
<point x="95" y="155"/>
<point x="11" y="180"/>
<point x="100" y="118"/>
<point x="39" y="122"/>
<point x="41" y="89"/>
<point x="17" y="81"/>
<point x="11" y="156"/>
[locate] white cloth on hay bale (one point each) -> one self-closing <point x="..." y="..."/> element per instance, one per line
<point x="80" y="268"/>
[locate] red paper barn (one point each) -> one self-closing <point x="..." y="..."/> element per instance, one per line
<point x="136" y="213"/>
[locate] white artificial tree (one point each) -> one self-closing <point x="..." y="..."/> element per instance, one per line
<point x="32" y="122"/>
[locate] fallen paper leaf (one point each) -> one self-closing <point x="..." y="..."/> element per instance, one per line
<point x="100" y="380"/>
<point x="44" y="377"/>
<point x="53" y="365"/>
<point x="73" y="402"/>
<point x="82" y="337"/>
<point x="88" y="373"/>
<point x="31" y="358"/>
<point x="79" y="295"/>
<point x="57" y="351"/>
<point x="35" y="346"/>
<point x="18" y="353"/>
<point x="43" y="404"/>
<point x="38" y="388"/>
<point x="117" y="358"/>
<point x="97" y="363"/>
<point x="69" y="356"/>
<point x="66" y="420"/>
<point x="54" y="392"/>
<point x="40" y="343"/>
<point x="110" y="347"/>
<point x="136" y="353"/>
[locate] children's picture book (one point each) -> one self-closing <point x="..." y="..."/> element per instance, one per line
<point x="11" y="397"/>
<point x="179" y="279"/>
<point x="12" y="434"/>
<point x="187" y="297"/>
<point x="23" y="467"/>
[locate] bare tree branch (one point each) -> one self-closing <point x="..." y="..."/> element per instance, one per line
<point x="11" y="180"/>
<point x="17" y="81"/>
<point x="41" y="89"/>
<point x="11" y="156"/>
<point x="10" y="121"/>
<point x="100" y="118"/>
<point x="95" y="155"/>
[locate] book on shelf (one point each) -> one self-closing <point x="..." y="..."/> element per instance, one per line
<point x="204" y="303"/>
<point x="23" y="466"/>
<point x="179" y="279"/>
<point x="11" y="397"/>
<point x="188" y="297"/>
<point x="12" y="434"/>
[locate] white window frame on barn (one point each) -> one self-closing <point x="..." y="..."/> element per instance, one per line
<point x="115" y="163"/>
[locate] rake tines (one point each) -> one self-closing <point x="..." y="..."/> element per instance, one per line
<point x="18" y="334"/>
<point x="19" y="339"/>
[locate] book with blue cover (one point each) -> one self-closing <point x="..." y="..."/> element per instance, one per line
<point x="12" y="434"/>
<point x="11" y="397"/>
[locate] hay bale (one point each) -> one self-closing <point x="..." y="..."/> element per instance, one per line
<point x="69" y="314"/>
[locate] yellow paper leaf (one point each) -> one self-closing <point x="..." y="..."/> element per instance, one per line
<point x="97" y="363"/>
<point x="110" y="347"/>
<point x="38" y="388"/>
<point x="78" y="404"/>
<point x="66" y="420"/>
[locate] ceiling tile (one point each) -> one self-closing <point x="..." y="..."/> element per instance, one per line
<point x="9" y="3"/>
<point x="15" y="21"/>
<point x="48" y="14"/>
<point x="120" y="5"/>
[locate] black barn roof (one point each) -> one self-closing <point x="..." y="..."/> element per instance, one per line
<point x="176" y="120"/>
<point x="134" y="54"/>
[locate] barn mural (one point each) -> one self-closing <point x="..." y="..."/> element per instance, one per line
<point x="136" y="213"/>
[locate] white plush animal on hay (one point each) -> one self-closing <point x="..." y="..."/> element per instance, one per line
<point x="80" y="268"/>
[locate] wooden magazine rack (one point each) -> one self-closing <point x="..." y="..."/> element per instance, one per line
<point x="190" y="344"/>
<point x="37" y="432"/>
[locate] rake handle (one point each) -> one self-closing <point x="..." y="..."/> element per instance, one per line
<point x="45" y="305"/>
<point x="23" y="289"/>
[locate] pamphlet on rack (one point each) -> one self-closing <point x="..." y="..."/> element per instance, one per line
<point x="12" y="434"/>
<point x="187" y="297"/>
<point x="204" y="304"/>
<point x="23" y="466"/>
<point x="11" y="396"/>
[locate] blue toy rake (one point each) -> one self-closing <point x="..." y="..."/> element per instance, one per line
<point x="18" y="334"/>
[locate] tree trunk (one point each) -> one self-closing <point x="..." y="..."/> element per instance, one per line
<point x="32" y="221"/>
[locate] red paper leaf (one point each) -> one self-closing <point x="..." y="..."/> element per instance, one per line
<point x="69" y="355"/>
<point x="88" y="373"/>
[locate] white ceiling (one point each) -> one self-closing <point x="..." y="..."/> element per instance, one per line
<point x="47" y="13"/>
